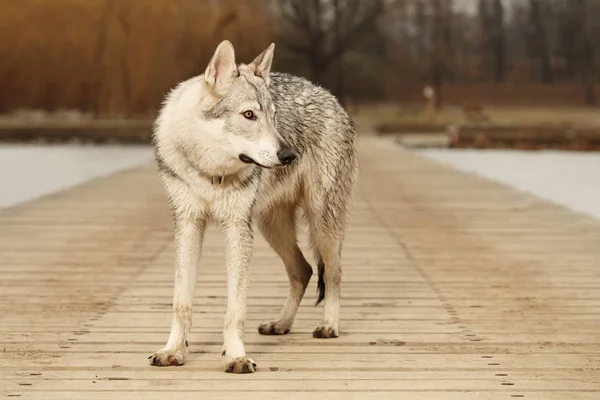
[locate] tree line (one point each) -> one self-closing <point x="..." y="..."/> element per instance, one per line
<point x="113" y="57"/>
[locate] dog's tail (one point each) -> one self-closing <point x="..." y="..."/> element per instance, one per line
<point x="321" y="283"/>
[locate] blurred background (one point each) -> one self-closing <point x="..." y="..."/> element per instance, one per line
<point x="115" y="58"/>
<point x="517" y="74"/>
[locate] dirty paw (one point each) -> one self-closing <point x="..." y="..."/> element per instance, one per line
<point x="325" y="332"/>
<point x="164" y="359"/>
<point x="273" y="328"/>
<point x="241" y="365"/>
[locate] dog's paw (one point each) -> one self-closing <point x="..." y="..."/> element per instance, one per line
<point x="274" y="328"/>
<point x="241" y="365"/>
<point x="165" y="358"/>
<point x="326" y="332"/>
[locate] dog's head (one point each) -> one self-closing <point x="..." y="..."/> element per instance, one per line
<point x="237" y="98"/>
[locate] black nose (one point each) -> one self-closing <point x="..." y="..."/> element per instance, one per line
<point x="286" y="155"/>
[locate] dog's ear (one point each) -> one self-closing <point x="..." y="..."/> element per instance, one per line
<point x="221" y="70"/>
<point x="262" y="64"/>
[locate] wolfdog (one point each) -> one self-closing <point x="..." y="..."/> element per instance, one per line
<point x="240" y="145"/>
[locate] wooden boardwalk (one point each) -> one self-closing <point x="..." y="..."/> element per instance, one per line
<point x="454" y="288"/>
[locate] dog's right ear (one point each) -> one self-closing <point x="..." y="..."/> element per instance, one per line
<point x="221" y="70"/>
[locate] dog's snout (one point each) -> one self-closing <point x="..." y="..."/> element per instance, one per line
<point x="286" y="155"/>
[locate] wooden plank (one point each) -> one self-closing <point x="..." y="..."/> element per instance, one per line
<point x="283" y="385"/>
<point x="183" y="394"/>
<point x="187" y="373"/>
<point x="333" y="361"/>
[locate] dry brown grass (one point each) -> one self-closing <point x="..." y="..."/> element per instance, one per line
<point x="115" y="57"/>
<point x="119" y="57"/>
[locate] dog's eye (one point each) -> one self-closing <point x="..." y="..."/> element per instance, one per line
<point x="249" y="115"/>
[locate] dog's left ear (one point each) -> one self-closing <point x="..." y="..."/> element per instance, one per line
<point x="262" y="64"/>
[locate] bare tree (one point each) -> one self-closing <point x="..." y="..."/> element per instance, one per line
<point x="323" y="30"/>
<point x="540" y="42"/>
<point x="113" y="83"/>
<point x="337" y="43"/>
<point x="585" y="49"/>
<point x="498" y="41"/>
<point x="492" y="36"/>
<point x="441" y="38"/>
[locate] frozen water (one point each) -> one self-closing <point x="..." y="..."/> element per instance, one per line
<point x="571" y="179"/>
<point x="30" y="171"/>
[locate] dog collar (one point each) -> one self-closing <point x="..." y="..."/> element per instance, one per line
<point x="226" y="180"/>
<point x="217" y="180"/>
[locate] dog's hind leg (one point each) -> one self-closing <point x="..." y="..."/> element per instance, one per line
<point x="328" y="245"/>
<point x="278" y="226"/>
<point x="326" y="213"/>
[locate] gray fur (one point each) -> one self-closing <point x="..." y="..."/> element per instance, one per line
<point x="202" y="133"/>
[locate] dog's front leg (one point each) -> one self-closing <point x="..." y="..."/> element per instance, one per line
<point x="238" y="236"/>
<point x="189" y="233"/>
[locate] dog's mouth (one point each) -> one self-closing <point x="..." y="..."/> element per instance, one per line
<point x="249" y="160"/>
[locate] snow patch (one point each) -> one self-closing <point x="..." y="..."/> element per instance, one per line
<point x="570" y="179"/>
<point x="28" y="172"/>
